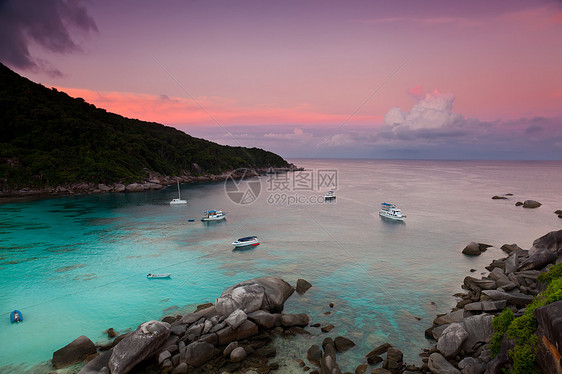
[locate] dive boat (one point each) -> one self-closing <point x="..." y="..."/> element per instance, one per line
<point x="159" y="276"/>
<point x="178" y="200"/>
<point x="16" y="316"/>
<point x="213" y="215"/>
<point x="330" y="195"/>
<point x="247" y="241"/>
<point x="391" y="211"/>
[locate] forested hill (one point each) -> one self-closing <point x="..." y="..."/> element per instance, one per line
<point x="48" y="138"/>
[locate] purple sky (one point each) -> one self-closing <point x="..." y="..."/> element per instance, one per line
<point x="363" y="79"/>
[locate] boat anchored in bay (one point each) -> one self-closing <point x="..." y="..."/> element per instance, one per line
<point x="178" y="200"/>
<point x="213" y="215"/>
<point x="392" y="212"/>
<point x="246" y="242"/>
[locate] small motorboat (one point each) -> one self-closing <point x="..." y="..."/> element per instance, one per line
<point x="213" y="215"/>
<point x="330" y="195"/>
<point x="246" y="242"/>
<point x="16" y="316"/>
<point x="392" y="212"/>
<point x="159" y="276"/>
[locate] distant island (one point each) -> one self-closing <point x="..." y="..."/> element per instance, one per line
<point x="51" y="141"/>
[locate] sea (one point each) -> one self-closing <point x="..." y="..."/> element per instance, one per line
<point x="77" y="265"/>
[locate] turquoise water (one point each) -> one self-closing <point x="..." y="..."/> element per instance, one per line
<point x="77" y="265"/>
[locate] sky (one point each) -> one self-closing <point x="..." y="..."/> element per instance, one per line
<point x="434" y="79"/>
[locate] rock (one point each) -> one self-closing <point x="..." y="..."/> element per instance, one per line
<point x="178" y="329"/>
<point x="200" y="313"/>
<point x="478" y="284"/>
<point x="486" y="306"/>
<point x="513" y="298"/>
<point x="379" y="350"/>
<point x="163" y="356"/>
<point x="512" y="263"/>
<point x="238" y="354"/>
<point x="111" y="333"/>
<point x="343" y="344"/>
<point x="519" y="203"/>
<point x="439" y="365"/>
<point x="97" y="364"/>
<point x="552" y="241"/>
<point x="451" y="340"/>
<point x="327" y="328"/>
<point x="137" y="346"/>
<point x="496" y="197"/>
<point x="540" y="258"/>
<point x="549" y="318"/>
<point x="74" y="352"/>
<point x="455" y="316"/>
<point x="509" y="248"/>
<point x="394" y="360"/>
<point x="229" y="348"/>
<point x="361" y="369"/>
<point x="134" y="187"/>
<point x="180" y="369"/>
<point x="197" y="353"/>
<point x="244" y="331"/>
<point x="289" y="320"/>
<point x="263" y="318"/>
<point x="266" y="293"/>
<point x="471" y="365"/>
<point x="479" y="330"/>
<point x="531" y="204"/>
<point x="302" y="286"/>
<point x="236" y="318"/>
<point x="314" y="355"/>
<point x="472" y="249"/>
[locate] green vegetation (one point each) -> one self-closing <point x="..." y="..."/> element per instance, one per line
<point x="50" y="139"/>
<point x="523" y="329"/>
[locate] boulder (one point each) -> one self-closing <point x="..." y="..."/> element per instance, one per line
<point x="439" y="365"/>
<point x="137" y="346"/>
<point x="263" y="318"/>
<point x="486" y="306"/>
<point x="343" y="344"/>
<point x="509" y="248"/>
<point x="302" y="286"/>
<point x="394" y="360"/>
<point x="552" y="241"/>
<point x="549" y="318"/>
<point x="512" y="263"/>
<point x="229" y="348"/>
<point x="540" y="258"/>
<point x="74" y="352"/>
<point x="236" y="318"/>
<point x="314" y="355"/>
<point x="244" y="331"/>
<point x="471" y="365"/>
<point x="266" y="293"/>
<point x="379" y="350"/>
<point x="451" y="340"/>
<point x="513" y="298"/>
<point x="479" y="330"/>
<point x="496" y="197"/>
<point x="197" y="353"/>
<point x="134" y="187"/>
<point x="455" y="316"/>
<point x="238" y="354"/>
<point x="531" y="204"/>
<point x="484" y="283"/>
<point x="289" y="320"/>
<point x="472" y="249"/>
<point x="98" y="363"/>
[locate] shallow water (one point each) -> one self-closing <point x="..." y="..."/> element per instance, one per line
<point x="77" y="265"/>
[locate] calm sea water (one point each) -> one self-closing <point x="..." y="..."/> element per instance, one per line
<point x="77" y="265"/>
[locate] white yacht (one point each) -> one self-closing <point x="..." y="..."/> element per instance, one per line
<point x="213" y="215"/>
<point x="330" y="195"/>
<point x="178" y="200"/>
<point x="391" y="211"/>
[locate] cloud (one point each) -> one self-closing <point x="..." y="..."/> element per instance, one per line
<point x="433" y="111"/>
<point x="45" y="23"/>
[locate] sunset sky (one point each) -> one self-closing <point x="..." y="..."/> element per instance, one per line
<point x="359" y="79"/>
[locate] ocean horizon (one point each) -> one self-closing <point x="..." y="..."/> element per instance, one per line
<point x="76" y="265"/>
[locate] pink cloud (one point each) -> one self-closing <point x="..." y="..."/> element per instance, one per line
<point x="178" y="111"/>
<point x="416" y="91"/>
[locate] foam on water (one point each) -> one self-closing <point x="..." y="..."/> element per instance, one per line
<point x="77" y="265"/>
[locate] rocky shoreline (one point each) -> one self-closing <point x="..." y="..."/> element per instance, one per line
<point x="153" y="181"/>
<point x="233" y="335"/>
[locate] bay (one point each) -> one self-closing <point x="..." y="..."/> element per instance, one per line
<point x="77" y="265"/>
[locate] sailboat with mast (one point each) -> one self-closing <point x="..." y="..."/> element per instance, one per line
<point x="178" y="200"/>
